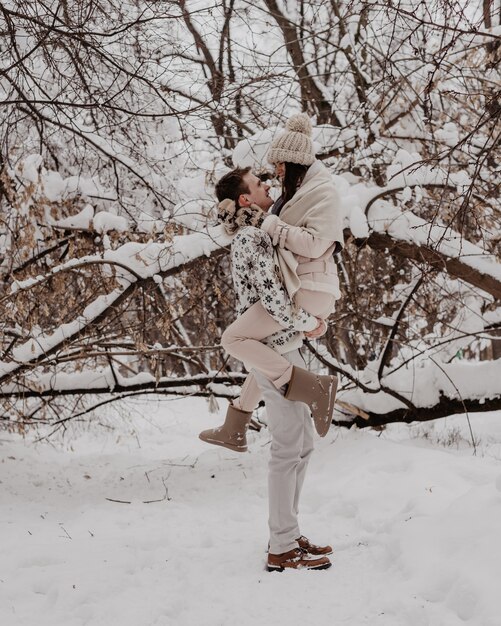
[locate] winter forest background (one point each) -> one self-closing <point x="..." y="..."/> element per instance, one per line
<point x="118" y="117"/>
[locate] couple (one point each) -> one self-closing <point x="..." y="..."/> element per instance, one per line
<point x="286" y="284"/>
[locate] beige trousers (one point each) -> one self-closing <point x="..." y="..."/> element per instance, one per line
<point x="243" y="340"/>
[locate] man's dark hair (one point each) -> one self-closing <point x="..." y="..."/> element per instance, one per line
<point x="232" y="184"/>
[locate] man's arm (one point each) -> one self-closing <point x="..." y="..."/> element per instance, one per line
<point x="253" y="264"/>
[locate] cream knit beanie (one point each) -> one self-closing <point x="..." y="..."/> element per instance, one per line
<point x="294" y="145"/>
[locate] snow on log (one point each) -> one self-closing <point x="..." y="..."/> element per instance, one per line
<point x="422" y="389"/>
<point x="107" y="380"/>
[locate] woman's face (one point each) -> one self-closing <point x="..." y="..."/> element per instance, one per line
<point x="280" y="170"/>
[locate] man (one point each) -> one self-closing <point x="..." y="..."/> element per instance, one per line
<point x="289" y="423"/>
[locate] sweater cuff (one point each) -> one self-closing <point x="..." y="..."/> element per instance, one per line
<point x="311" y="324"/>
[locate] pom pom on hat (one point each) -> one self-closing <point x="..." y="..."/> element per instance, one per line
<point x="294" y="145"/>
<point x="299" y="123"/>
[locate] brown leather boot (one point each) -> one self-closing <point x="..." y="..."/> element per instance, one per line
<point x="296" y="559"/>
<point x="232" y="434"/>
<point x="306" y="545"/>
<point x="318" y="392"/>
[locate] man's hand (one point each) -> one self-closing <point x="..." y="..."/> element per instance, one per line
<point x="320" y="330"/>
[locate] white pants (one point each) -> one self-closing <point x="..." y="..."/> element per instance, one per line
<point x="291" y="430"/>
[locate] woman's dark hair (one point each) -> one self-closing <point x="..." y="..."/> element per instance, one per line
<point x="294" y="174"/>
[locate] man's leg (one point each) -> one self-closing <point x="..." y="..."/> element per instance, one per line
<point x="304" y="456"/>
<point x="291" y="447"/>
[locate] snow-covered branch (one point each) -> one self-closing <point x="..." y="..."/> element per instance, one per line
<point x="105" y="380"/>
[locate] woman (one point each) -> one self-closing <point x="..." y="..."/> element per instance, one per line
<point x="306" y="232"/>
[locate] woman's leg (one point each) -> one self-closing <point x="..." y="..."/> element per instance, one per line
<point x="250" y="395"/>
<point x="242" y="337"/>
<point x="242" y="340"/>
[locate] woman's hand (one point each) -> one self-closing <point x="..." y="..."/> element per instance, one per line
<point x="320" y="330"/>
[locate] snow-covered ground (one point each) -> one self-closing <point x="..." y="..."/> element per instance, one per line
<point x="413" y="516"/>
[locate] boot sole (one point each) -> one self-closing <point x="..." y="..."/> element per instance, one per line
<point x="224" y="445"/>
<point x="282" y="569"/>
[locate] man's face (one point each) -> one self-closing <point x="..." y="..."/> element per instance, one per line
<point x="258" y="193"/>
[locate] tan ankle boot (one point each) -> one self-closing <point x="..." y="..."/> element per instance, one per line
<point x="318" y="392"/>
<point x="232" y="434"/>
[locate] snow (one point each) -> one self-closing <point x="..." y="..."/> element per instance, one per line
<point x="105" y="221"/>
<point x="87" y="186"/>
<point x="83" y="219"/>
<point x="358" y="222"/>
<point x="449" y="134"/>
<point x="151" y="258"/>
<point x="147" y="224"/>
<point x="414" y="525"/>
<point x="103" y="378"/>
<point x="53" y="186"/>
<point x="190" y="187"/>
<point x="423" y="381"/>
<point x="462" y="379"/>
<point x="406" y="226"/>
<point x="346" y="41"/>
<point x="252" y="151"/>
<point x="493" y="317"/>
<point x="29" y="167"/>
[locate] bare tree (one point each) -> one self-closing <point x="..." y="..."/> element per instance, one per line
<point x="118" y="117"/>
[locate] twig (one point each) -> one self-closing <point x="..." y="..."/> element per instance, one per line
<point x="166" y="496"/>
